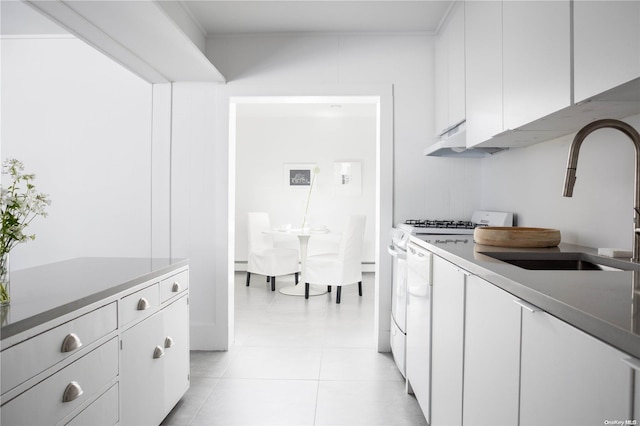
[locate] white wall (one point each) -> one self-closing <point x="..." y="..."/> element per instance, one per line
<point x="82" y="124"/>
<point x="198" y="209"/>
<point x="529" y="181"/>
<point x="304" y="133"/>
<point x="308" y="65"/>
<point x="406" y="61"/>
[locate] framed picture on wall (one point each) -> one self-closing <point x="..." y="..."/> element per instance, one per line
<point x="347" y="178"/>
<point x="299" y="176"/>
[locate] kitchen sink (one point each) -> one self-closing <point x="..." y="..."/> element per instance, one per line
<point x="559" y="261"/>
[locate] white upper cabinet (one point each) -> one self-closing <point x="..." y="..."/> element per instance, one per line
<point x="606" y="45"/>
<point x="483" y="44"/>
<point x="450" y="70"/>
<point x="531" y="67"/>
<point x="536" y="60"/>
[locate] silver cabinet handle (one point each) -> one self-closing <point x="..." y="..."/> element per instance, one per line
<point x="168" y="342"/>
<point x="143" y="304"/>
<point x="528" y="306"/>
<point x="70" y="343"/>
<point x="176" y="287"/>
<point x="71" y="392"/>
<point x="158" y="352"/>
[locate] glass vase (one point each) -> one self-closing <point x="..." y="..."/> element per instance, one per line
<point x="5" y="282"/>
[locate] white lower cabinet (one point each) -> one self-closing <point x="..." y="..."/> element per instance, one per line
<point x="491" y="355"/>
<point x="141" y="377"/>
<point x="498" y="360"/>
<point x="59" y="395"/>
<point x="176" y="347"/>
<point x="155" y="365"/>
<point x="447" y="343"/>
<point x="568" y="377"/>
<point x="124" y="361"/>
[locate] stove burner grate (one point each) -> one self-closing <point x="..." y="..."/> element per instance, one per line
<point x="443" y="224"/>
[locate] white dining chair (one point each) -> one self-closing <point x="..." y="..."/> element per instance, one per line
<point x="263" y="257"/>
<point x="343" y="267"/>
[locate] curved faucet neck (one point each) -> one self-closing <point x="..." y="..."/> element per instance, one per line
<point x="572" y="165"/>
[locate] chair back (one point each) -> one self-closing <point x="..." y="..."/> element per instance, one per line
<point x="351" y="247"/>
<point x="257" y="224"/>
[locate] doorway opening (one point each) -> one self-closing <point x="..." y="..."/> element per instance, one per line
<point x="269" y="134"/>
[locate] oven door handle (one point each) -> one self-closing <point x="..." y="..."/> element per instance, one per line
<point x="397" y="253"/>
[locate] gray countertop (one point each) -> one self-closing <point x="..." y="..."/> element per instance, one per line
<point x="600" y="303"/>
<point x="43" y="293"/>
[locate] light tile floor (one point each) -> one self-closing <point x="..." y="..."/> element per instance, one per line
<point x="297" y="362"/>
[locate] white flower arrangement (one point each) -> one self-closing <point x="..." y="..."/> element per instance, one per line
<point x="20" y="203"/>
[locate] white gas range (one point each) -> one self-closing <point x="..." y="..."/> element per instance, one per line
<point x="456" y="227"/>
<point x="398" y="250"/>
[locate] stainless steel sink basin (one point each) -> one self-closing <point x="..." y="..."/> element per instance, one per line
<point x="558" y="261"/>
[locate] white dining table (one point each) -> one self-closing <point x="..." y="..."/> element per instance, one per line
<point x="303" y="237"/>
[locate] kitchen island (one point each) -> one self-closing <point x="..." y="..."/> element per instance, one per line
<point x="95" y="341"/>
<point x="510" y="345"/>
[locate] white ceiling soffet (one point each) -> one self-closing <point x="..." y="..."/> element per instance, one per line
<point x="164" y="40"/>
<point x="300" y="16"/>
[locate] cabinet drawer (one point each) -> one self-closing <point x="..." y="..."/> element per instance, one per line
<point x="174" y="285"/>
<point x="43" y="403"/>
<point x="26" y="359"/>
<point x="102" y="412"/>
<point x="139" y="304"/>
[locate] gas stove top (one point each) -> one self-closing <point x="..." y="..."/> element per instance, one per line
<point x="457" y="227"/>
<point x="449" y="224"/>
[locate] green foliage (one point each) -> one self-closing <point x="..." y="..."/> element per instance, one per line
<point x="20" y="203"/>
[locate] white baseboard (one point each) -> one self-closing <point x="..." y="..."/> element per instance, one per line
<point x="366" y="267"/>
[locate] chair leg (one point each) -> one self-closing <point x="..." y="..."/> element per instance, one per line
<point x="360" y="288"/>
<point x="248" y="278"/>
<point x="296" y="278"/>
<point x="328" y="289"/>
<point x="273" y="283"/>
<point x="268" y="278"/>
<point x="338" y="294"/>
<point x="306" y="290"/>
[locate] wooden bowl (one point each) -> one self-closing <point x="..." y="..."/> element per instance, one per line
<point x="514" y="236"/>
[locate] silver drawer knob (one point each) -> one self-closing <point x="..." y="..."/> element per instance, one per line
<point x="143" y="304"/>
<point x="158" y="352"/>
<point x="71" y="342"/>
<point x="176" y="287"/>
<point x="71" y="392"/>
<point x="168" y="342"/>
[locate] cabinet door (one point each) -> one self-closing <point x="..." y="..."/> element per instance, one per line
<point x="447" y="343"/>
<point x="142" y="371"/>
<point x="491" y="355"/>
<point x="450" y="71"/>
<point x="537" y="56"/>
<point x="176" y="359"/>
<point x="456" y="64"/>
<point x="606" y="45"/>
<point x="442" y="82"/>
<point x="483" y="47"/>
<point x="418" y="353"/>
<point x="568" y="377"/>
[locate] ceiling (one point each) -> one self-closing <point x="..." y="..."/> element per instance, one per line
<point x="216" y="17"/>
<point x="270" y="16"/>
